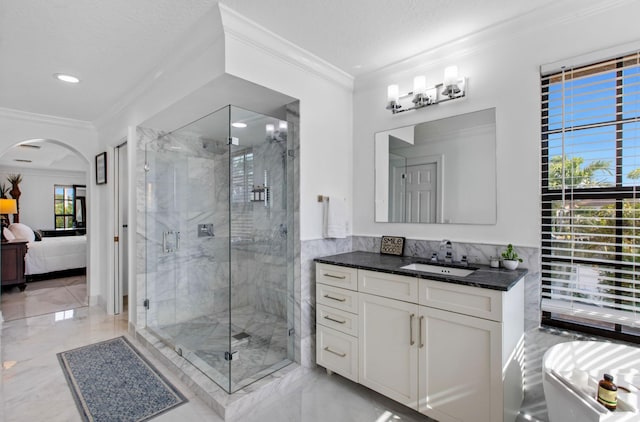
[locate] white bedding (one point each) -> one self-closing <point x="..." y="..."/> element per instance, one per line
<point x="56" y="254"/>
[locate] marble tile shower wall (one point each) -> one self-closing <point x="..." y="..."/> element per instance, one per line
<point x="476" y="253"/>
<point x="177" y="193"/>
<point x="186" y="185"/>
<point x="267" y="266"/>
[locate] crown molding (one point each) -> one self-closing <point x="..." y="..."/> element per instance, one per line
<point x="14" y="114"/>
<point x="250" y="33"/>
<point x="555" y="14"/>
<point x="188" y="48"/>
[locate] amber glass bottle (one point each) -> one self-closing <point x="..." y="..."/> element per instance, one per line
<point x="608" y="393"/>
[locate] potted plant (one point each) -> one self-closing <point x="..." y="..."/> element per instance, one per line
<point x="15" y="180"/>
<point x="510" y="258"/>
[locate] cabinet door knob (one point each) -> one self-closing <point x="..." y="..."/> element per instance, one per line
<point x="411" y="341"/>
<point x="335" y="353"/>
<point x="420" y="331"/>
<point x="335" y="298"/>
<point x="334" y="320"/>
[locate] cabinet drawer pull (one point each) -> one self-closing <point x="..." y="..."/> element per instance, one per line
<point x="341" y="277"/>
<point x="334" y="320"/>
<point x="335" y="298"/>
<point x="411" y="341"/>
<point x="334" y="352"/>
<point x="420" y="331"/>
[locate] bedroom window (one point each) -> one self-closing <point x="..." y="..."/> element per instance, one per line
<point x="591" y="198"/>
<point x="63" y="206"/>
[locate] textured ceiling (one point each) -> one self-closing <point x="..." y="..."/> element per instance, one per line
<point x="109" y="44"/>
<point x="360" y="36"/>
<point x="113" y="44"/>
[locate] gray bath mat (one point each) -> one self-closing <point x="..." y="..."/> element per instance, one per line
<point x="112" y="381"/>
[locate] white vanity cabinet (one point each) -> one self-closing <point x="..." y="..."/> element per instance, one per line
<point x="452" y="352"/>
<point x="337" y="319"/>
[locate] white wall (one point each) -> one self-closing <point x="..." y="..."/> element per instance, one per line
<point x="503" y="69"/>
<point x="247" y="52"/>
<point x="36" y="199"/>
<point x="326" y="112"/>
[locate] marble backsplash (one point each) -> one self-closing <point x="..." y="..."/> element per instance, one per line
<point x="476" y="253"/>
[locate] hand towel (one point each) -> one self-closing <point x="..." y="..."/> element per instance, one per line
<point x="335" y="218"/>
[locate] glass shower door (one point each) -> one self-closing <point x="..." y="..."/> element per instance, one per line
<point x="218" y="245"/>
<point x="260" y="255"/>
<point x="187" y="256"/>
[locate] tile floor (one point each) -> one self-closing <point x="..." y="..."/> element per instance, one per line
<point x="33" y="387"/>
<point x="44" y="297"/>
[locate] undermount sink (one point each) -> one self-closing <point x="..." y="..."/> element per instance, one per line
<point x="439" y="269"/>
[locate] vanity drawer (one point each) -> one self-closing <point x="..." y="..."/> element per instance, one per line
<point x="388" y="285"/>
<point x="468" y="300"/>
<point x="334" y="297"/>
<point x="335" y="318"/>
<point x="337" y="352"/>
<point x="335" y="275"/>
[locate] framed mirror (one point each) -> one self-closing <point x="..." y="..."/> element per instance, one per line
<point x="438" y="172"/>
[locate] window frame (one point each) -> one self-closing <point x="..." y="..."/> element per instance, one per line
<point x="71" y="203"/>
<point x="617" y="194"/>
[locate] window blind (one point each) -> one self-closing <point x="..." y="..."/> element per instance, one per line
<point x="590" y="201"/>
<point x="241" y="187"/>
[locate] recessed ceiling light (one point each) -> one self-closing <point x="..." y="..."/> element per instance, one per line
<point x="239" y="124"/>
<point x="66" y="78"/>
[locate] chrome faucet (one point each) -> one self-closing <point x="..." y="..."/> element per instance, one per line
<point x="447" y="248"/>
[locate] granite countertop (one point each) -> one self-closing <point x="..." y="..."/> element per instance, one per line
<point x="484" y="277"/>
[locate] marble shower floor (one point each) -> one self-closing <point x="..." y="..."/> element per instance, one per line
<point x="44" y="297"/>
<point x="204" y="340"/>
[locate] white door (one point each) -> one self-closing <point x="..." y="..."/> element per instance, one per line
<point x="388" y="349"/>
<point x="460" y="367"/>
<point x="421" y="193"/>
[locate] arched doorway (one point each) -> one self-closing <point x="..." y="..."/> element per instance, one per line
<point x="52" y="219"/>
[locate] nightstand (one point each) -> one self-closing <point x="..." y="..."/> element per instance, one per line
<point x="12" y="261"/>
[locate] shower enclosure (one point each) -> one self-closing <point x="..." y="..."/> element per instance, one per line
<point x="218" y="243"/>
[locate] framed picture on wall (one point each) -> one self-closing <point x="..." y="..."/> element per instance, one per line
<point x="101" y="168"/>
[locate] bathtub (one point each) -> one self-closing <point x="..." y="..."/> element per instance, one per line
<point x="570" y="375"/>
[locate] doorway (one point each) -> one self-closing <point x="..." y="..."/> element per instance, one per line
<point x="51" y="199"/>
<point x="121" y="225"/>
<point x="415" y="192"/>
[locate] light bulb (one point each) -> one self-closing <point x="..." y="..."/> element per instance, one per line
<point x="419" y="85"/>
<point x="450" y="76"/>
<point x="393" y="93"/>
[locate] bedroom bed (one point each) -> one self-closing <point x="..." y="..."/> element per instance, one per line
<point x="51" y="256"/>
<point x="54" y="254"/>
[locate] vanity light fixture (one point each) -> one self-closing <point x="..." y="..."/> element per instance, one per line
<point x="451" y="88"/>
<point x="66" y="78"/>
